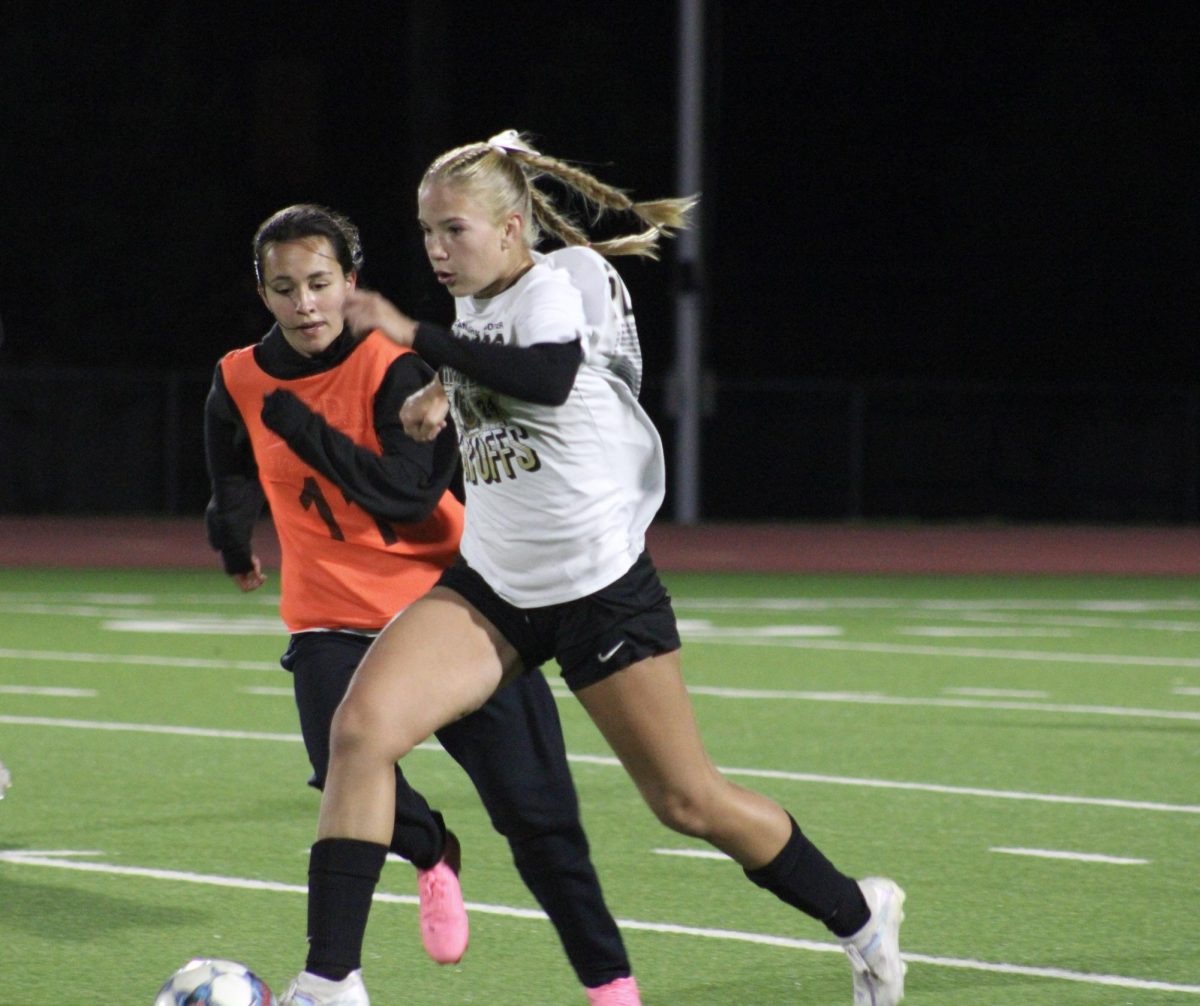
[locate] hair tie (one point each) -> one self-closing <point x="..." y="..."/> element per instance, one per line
<point x="507" y="142"/>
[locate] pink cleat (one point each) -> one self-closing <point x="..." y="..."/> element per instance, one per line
<point x="618" y="992"/>
<point x="444" y="926"/>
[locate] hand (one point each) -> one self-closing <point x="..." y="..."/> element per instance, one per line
<point x="366" y="311"/>
<point x="250" y="580"/>
<point x="284" y="413"/>
<point x="423" y="413"/>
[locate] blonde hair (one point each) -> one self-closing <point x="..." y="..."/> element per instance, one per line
<point x="501" y="171"/>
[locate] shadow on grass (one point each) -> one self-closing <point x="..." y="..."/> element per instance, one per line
<point x="64" y="914"/>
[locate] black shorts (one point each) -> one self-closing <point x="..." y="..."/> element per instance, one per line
<point x="592" y="637"/>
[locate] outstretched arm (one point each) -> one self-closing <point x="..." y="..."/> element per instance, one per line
<point x="543" y="373"/>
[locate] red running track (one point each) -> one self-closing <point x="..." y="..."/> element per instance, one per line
<point x="768" y="548"/>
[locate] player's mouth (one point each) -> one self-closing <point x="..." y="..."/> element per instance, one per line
<point x="445" y="278"/>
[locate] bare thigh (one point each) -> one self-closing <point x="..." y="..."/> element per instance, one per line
<point x="434" y="663"/>
<point x="646" y="716"/>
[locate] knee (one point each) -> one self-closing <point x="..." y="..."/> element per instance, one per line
<point x="359" y="731"/>
<point x="689" y="812"/>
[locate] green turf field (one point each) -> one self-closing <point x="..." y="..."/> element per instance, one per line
<point x="1022" y="754"/>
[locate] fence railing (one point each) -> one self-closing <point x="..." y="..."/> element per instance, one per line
<point x="112" y="442"/>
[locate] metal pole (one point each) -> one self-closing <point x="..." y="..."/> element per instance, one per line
<point x="686" y="384"/>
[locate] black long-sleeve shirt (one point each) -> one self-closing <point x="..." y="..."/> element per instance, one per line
<point x="401" y="484"/>
<point x="543" y="373"/>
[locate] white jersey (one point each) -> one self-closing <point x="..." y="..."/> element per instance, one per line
<point x="558" y="497"/>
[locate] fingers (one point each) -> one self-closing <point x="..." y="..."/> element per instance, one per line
<point x="423" y="414"/>
<point x="424" y="428"/>
<point x="251" y="579"/>
<point x="429" y="431"/>
<point x="366" y="311"/>
<point x="361" y="310"/>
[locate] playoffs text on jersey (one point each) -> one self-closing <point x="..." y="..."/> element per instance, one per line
<point x="493" y="445"/>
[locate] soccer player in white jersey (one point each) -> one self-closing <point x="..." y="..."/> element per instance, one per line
<point x="563" y="473"/>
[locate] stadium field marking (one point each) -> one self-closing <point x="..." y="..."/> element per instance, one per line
<point x="893" y="649"/>
<point x="49" y="691"/>
<point x="862" y="698"/>
<point x="268" y="690"/>
<point x="265" y="625"/>
<point x="138" y="660"/>
<point x="610" y="762"/>
<point x="142" y="600"/>
<point x="1133" y="605"/>
<point x="151" y="615"/>
<point x="867" y="698"/>
<point x="1128" y="606"/>
<point x="1185" y="691"/>
<point x="1080" y="857"/>
<point x="998" y="693"/>
<point x="199" y="625"/>
<point x="1076" y="622"/>
<point x="980" y="632"/>
<point x="68" y="860"/>
<point x="693" y="853"/>
<point x="695" y="636"/>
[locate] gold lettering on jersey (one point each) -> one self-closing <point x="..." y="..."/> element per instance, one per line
<point x="493" y="445"/>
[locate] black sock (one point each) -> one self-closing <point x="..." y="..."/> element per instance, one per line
<point x="419" y="832"/>
<point x="342" y="874"/>
<point x="803" y="878"/>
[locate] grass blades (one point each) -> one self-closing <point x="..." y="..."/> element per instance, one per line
<point x="1021" y="754"/>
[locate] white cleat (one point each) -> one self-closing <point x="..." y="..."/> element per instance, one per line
<point x="874" y="951"/>
<point x="313" y="990"/>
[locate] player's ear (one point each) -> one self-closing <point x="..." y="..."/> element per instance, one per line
<point x="352" y="279"/>
<point x="514" y="227"/>
<point x="262" y="295"/>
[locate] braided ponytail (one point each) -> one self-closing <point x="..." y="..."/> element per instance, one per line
<point x="503" y="172"/>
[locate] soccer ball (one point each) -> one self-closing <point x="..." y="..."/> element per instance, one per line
<point x="207" y="981"/>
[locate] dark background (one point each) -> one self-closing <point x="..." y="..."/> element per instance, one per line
<point x="898" y="199"/>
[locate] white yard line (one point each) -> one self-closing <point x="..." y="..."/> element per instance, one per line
<point x="1133" y="606"/>
<point x="860" y="698"/>
<point x="199" y="625"/>
<point x="66" y="860"/>
<point x="693" y="853"/>
<point x="1077" y="622"/>
<point x="984" y="632"/>
<point x="48" y="691"/>
<point x="114" y="611"/>
<point x="866" y="698"/>
<point x="973" y="652"/>
<point x="137" y="660"/>
<point x="609" y="761"/>
<point x="1079" y="857"/>
<point x="1129" y="606"/>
